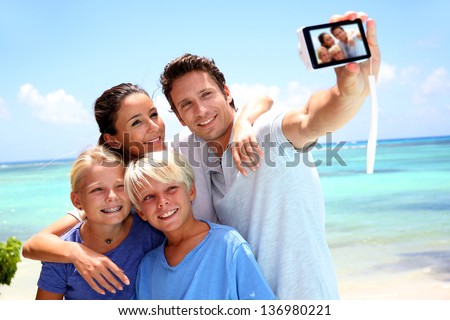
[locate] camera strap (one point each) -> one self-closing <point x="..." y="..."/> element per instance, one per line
<point x="372" y="140"/>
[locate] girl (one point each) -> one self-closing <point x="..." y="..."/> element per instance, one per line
<point x="110" y="229"/>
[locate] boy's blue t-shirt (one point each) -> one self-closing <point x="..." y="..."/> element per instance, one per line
<point x="221" y="267"/>
<point x="64" y="278"/>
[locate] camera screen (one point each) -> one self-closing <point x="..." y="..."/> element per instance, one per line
<point x="336" y="43"/>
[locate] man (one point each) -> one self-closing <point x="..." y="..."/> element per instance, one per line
<point x="278" y="209"/>
<point x="350" y="42"/>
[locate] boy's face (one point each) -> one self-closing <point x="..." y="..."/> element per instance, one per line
<point x="166" y="206"/>
<point x="202" y="107"/>
<point x="102" y="195"/>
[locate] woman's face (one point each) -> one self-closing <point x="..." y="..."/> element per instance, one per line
<point x="139" y="127"/>
<point x="328" y="41"/>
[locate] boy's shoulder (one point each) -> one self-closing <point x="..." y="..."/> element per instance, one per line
<point x="223" y="230"/>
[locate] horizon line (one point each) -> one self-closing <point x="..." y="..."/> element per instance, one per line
<point x="353" y="142"/>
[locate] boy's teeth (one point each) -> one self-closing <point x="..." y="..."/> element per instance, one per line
<point x="168" y="213"/>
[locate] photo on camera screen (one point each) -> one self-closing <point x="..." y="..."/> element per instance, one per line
<point x="336" y="43"/>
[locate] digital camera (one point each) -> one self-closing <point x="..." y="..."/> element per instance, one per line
<point x="332" y="44"/>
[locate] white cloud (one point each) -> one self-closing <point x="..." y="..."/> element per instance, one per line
<point x="4" y="112"/>
<point x="242" y="92"/>
<point x="387" y="74"/>
<point x="56" y="107"/>
<point x="295" y="95"/>
<point x="434" y="86"/>
<point x="437" y="82"/>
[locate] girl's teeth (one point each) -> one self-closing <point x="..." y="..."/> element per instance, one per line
<point x="112" y="209"/>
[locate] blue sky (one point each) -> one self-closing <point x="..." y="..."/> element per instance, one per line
<point x="57" y="57"/>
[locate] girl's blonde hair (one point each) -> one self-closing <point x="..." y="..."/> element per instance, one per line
<point x="161" y="166"/>
<point x="97" y="155"/>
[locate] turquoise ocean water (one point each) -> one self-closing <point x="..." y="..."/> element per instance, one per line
<point x="396" y="220"/>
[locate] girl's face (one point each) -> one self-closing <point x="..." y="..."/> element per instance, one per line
<point x="166" y="206"/>
<point x="324" y="55"/>
<point x="102" y="195"/>
<point x="139" y="127"/>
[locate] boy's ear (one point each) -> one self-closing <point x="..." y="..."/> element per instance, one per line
<point x="192" y="192"/>
<point x="141" y="215"/>
<point x="111" y="141"/>
<point x="76" y="201"/>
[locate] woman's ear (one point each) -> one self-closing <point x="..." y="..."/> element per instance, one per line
<point x="76" y="201"/>
<point x="111" y="141"/>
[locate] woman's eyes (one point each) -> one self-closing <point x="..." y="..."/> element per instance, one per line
<point x="135" y="123"/>
<point x="139" y="121"/>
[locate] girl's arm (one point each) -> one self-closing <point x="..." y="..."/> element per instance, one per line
<point x="245" y="148"/>
<point x="47" y="295"/>
<point x="92" y="266"/>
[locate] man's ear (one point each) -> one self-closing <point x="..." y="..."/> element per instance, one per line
<point x="111" y="141"/>
<point x="76" y="201"/>
<point x="228" y="94"/>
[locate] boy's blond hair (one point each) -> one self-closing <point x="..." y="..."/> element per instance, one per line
<point x="162" y="166"/>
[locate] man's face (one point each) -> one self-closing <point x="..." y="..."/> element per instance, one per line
<point x="340" y="34"/>
<point x="202" y="107"/>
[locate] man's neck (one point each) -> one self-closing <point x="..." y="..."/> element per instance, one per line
<point x="219" y="145"/>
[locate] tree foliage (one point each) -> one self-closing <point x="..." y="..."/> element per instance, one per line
<point x="9" y="257"/>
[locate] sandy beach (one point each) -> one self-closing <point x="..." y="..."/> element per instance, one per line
<point x="23" y="285"/>
<point x="412" y="285"/>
